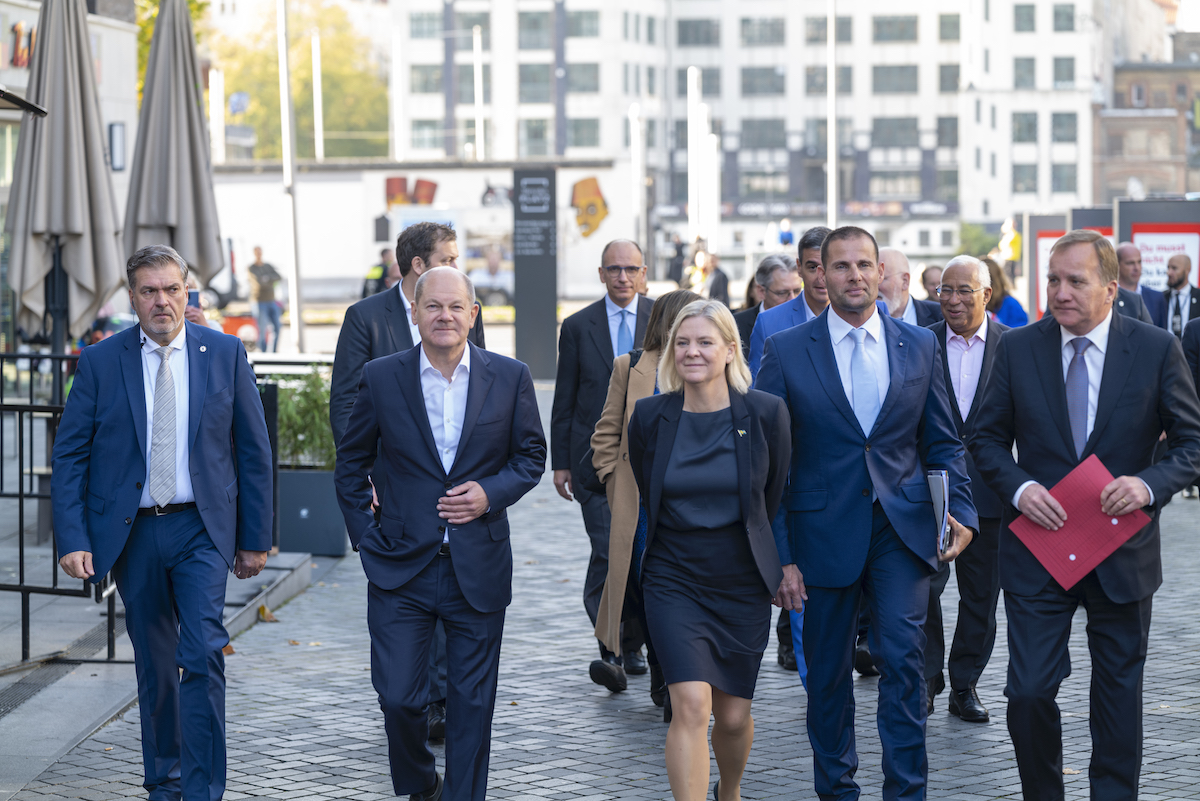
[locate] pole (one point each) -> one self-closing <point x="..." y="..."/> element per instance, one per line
<point x="318" y="105"/>
<point x="637" y="168"/>
<point x="831" y="153"/>
<point x="395" y="98"/>
<point x="694" y="158"/>
<point x="477" y="54"/>
<point x="216" y="115"/>
<point x="287" y="118"/>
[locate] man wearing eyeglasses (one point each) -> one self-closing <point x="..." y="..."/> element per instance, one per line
<point x="968" y="339"/>
<point x="894" y="288"/>
<point x="779" y="277"/>
<point x="588" y="343"/>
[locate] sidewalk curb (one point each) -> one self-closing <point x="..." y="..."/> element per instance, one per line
<point x="282" y="590"/>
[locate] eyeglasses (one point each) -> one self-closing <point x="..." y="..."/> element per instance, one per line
<point x="630" y="270"/>
<point x="950" y="292"/>
<point x="783" y="294"/>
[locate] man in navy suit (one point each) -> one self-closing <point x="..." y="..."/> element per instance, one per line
<point x="806" y="306"/>
<point x="162" y="474"/>
<point x="458" y="428"/>
<point x="1129" y="260"/>
<point x="870" y="415"/>
<point x="897" y="273"/>
<point x="1083" y="381"/>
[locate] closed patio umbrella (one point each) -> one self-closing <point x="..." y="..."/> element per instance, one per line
<point x="62" y="216"/>
<point x="171" y="198"/>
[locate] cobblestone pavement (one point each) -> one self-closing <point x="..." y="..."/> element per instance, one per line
<point x="303" y="721"/>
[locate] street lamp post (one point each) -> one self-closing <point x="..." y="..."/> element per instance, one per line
<point x="831" y="154"/>
<point x="287" y="124"/>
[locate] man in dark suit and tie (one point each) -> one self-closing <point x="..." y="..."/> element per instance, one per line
<point x="458" y="428"/>
<point x="778" y="276"/>
<point x="1129" y="259"/>
<point x="968" y="339"/>
<point x="1183" y="300"/>
<point x="162" y="474"/>
<point x="897" y="273"/>
<point x="869" y="415"/>
<point x="1081" y="382"/>
<point x="588" y="343"/>
<point x="810" y="302"/>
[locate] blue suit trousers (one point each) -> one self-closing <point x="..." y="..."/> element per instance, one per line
<point x="172" y="580"/>
<point x="897" y="585"/>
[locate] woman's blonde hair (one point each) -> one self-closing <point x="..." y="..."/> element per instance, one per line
<point x="736" y="372"/>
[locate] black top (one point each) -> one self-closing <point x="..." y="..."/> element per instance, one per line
<point x="700" y="489"/>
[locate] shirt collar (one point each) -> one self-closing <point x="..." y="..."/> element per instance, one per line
<point x="404" y="299"/>
<point x="463" y="364"/>
<point x="150" y="346"/>
<point x="1098" y="335"/>
<point x="839" y="329"/>
<point x="980" y="333"/>
<point x="612" y="308"/>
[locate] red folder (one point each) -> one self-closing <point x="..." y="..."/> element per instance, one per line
<point x="1089" y="536"/>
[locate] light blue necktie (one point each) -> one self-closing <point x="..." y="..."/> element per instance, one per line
<point x="1077" y="394"/>
<point x="624" y="335"/>
<point x="863" y="382"/>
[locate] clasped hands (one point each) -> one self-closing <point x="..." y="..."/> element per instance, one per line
<point x="463" y="503"/>
<point x="1120" y="497"/>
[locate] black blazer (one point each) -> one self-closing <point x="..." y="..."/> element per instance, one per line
<point x="1191" y="348"/>
<point x="745" y="326"/>
<point x="1193" y="311"/>
<point x="1131" y="304"/>
<point x="764" y="451"/>
<point x="720" y="286"/>
<point x="585" y="360"/>
<point x="374" y="327"/>
<point x="987" y="503"/>
<point x="1146" y="389"/>
<point x="928" y="313"/>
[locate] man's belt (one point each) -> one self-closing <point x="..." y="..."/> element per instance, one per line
<point x="444" y="551"/>
<point x="169" y="509"/>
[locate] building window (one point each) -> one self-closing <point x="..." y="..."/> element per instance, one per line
<point x="978" y="158"/>
<point x="680" y="134"/>
<point x="948" y="27"/>
<point x="1063" y="126"/>
<point x="895" y="29"/>
<point x="947" y="234"/>
<point x="637" y="78"/>
<point x="763" y="134"/>
<point x="1023" y="18"/>
<point x="923" y="238"/>
<point x="1063" y="177"/>
<point x="993" y="117"/>
<point x="947" y="132"/>
<point x="710" y="82"/>
<point x="464" y="26"/>
<point x="464" y="75"/>
<point x="763" y="81"/>
<point x="1024" y="76"/>
<point x="1181" y="93"/>
<point x="651" y="30"/>
<point x="948" y="78"/>
<point x="583" y="24"/>
<point x="814" y="80"/>
<point x="894" y="79"/>
<point x="978" y="112"/>
<point x="583" y="133"/>
<point x="533" y="138"/>
<point x="1064" y="72"/>
<point x="625" y="27"/>
<point x="883" y="237"/>
<point x="1024" y="126"/>
<point x="533" y="83"/>
<point x="947" y="192"/>
<point x="426" y="134"/>
<point x="425" y="79"/>
<point x="815" y="139"/>
<point x="894" y="132"/>
<point x="699" y="33"/>
<point x="816" y="30"/>
<point x="637" y="27"/>
<point x="583" y="78"/>
<point x="895" y="185"/>
<point x="759" y="185"/>
<point x="425" y="25"/>
<point x="651" y="81"/>
<point x="764" y="31"/>
<point x="993" y="170"/>
<point x="1137" y="95"/>
<point x="1064" y="17"/>
<point x="651" y="133"/>
<point x="1116" y="145"/>
<point x="533" y="30"/>
<point x="1024" y="178"/>
<point x="987" y="16"/>
<point x="987" y="60"/>
<point x="985" y="208"/>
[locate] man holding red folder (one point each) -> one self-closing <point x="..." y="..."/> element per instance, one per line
<point x="1081" y="382"/>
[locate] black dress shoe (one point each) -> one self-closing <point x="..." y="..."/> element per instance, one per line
<point x="635" y="663"/>
<point x="787" y="657"/>
<point x="934" y="686"/>
<point x="658" y="685"/>
<point x="863" y="662"/>
<point x="432" y="794"/>
<point x="966" y="705"/>
<point x="437" y="722"/>
<point x="607" y="672"/>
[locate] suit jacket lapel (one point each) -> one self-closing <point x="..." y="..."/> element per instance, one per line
<point x="897" y="350"/>
<point x="197" y="381"/>
<point x="600" y="334"/>
<point x="397" y="322"/>
<point x="942" y="330"/>
<point x="477" y="391"/>
<point x="1047" y="360"/>
<point x="1118" y="361"/>
<point x="825" y="367"/>
<point x="131" y="368"/>
<point x="985" y="372"/>
<point x="409" y="379"/>
<point x="668" y="426"/>
<point x="741" y="441"/>
<point x="643" y="316"/>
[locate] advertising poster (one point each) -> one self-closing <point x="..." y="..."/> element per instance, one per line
<point x="1159" y="242"/>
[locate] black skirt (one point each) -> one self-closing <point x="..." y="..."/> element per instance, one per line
<point x="708" y="610"/>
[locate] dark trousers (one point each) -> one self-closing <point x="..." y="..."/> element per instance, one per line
<point x="978" y="573"/>
<point x="172" y="580"/>
<point x="935" y="632"/>
<point x="897" y="584"/>
<point x="1039" y="627"/>
<point x="597" y="520"/>
<point x="401" y="622"/>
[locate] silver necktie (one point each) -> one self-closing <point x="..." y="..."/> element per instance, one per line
<point x="162" y="439"/>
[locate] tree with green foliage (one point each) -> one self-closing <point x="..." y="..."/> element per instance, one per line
<point x="146" y="12"/>
<point x="354" y="88"/>
<point x="976" y="241"/>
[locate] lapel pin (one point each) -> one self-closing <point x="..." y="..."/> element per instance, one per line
<point x="203" y="348"/>
<point x="741" y="433"/>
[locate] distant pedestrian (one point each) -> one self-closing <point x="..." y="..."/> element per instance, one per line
<point x="266" y="306"/>
<point x="931" y="278"/>
<point x="675" y="270"/>
<point x="376" y="279"/>
<point x="1003" y="307"/>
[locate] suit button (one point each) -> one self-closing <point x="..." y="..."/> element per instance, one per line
<point x="441" y="529"/>
<point x="127" y="521"/>
<point x="139" y="485"/>
<point x="625" y="457"/>
<point x="866" y="493"/>
<point x="449" y="485"/>
<point x="868" y="447"/>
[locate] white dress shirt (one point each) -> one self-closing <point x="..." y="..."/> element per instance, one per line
<point x="446" y="406"/>
<point x="805" y="309"/>
<point x="910" y="312"/>
<point x="1094" y="357"/>
<point x="408" y="315"/>
<point x="614" y="320"/>
<point x="965" y="359"/>
<point x="843" y="350"/>
<point x="179" y="376"/>
<point x="1183" y="297"/>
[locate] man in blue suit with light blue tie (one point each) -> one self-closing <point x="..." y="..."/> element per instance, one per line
<point x="870" y="415"/>
<point x="162" y="474"/>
